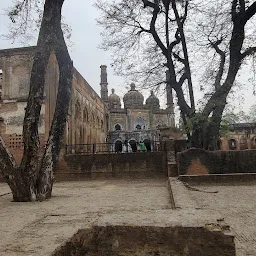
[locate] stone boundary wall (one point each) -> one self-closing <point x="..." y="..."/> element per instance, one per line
<point x="111" y="165"/>
<point x="199" y="162"/>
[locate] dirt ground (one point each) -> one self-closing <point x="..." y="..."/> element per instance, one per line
<point x="237" y="205"/>
<point x="234" y="202"/>
<point x="39" y="228"/>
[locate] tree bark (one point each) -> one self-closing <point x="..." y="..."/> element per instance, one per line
<point x="33" y="179"/>
<point x="50" y="159"/>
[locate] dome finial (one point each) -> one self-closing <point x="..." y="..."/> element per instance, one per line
<point x="152" y="92"/>
<point x="132" y="86"/>
<point x="113" y="90"/>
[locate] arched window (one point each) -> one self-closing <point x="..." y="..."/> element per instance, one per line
<point x="92" y="120"/>
<point x="102" y="125"/>
<point x="78" y="125"/>
<point x="118" y="127"/>
<point x="138" y="127"/>
<point x="232" y="144"/>
<point x="139" y="124"/>
<point x="85" y="118"/>
<point x="97" y="122"/>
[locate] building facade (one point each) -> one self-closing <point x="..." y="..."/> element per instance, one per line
<point x="92" y="119"/>
<point x="137" y="120"/>
<point x="86" y="122"/>
<point x="241" y="136"/>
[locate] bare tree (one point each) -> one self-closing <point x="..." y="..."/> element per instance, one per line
<point x="33" y="178"/>
<point x="168" y="32"/>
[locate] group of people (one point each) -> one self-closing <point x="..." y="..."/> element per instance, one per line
<point x="139" y="147"/>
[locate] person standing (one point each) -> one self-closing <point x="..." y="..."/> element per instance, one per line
<point x="142" y="147"/>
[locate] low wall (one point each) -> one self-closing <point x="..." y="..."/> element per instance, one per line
<point x="112" y="165"/>
<point x="198" y="162"/>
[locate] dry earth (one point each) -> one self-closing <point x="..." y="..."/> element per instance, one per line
<point x="234" y="202"/>
<point x="39" y="228"/>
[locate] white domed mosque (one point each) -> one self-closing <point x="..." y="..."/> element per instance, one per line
<point x="136" y="121"/>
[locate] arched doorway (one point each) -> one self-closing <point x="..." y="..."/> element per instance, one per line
<point x="232" y="144"/>
<point x="147" y="143"/>
<point x="78" y="126"/>
<point x="133" y="145"/>
<point x="118" y="146"/>
<point x="85" y="122"/>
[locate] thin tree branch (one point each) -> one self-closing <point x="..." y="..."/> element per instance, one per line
<point x="222" y="63"/>
<point x="249" y="51"/>
<point x="251" y="10"/>
<point x="182" y="79"/>
<point x="152" y="25"/>
<point x="185" y="51"/>
<point x="177" y="57"/>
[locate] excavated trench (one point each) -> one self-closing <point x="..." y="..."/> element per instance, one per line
<point x="145" y="240"/>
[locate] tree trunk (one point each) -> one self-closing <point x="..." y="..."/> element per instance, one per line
<point x="210" y="126"/>
<point x="50" y="159"/>
<point x="33" y="179"/>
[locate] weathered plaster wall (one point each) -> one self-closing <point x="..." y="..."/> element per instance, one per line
<point x="118" y="118"/>
<point x="87" y="113"/>
<point x="16" y="65"/>
<point x="133" y="114"/>
<point x="243" y="140"/>
<point x="200" y="162"/>
<point x="161" y="119"/>
<point x="13" y="115"/>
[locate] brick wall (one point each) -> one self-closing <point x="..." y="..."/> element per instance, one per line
<point x="117" y="165"/>
<point x="199" y="162"/>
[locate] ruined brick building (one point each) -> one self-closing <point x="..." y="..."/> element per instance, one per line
<point x="87" y="115"/>
<point x="91" y="118"/>
<point x="241" y="136"/>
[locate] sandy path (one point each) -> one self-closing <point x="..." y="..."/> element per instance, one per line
<point x="38" y="228"/>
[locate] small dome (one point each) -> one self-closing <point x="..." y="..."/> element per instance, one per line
<point x="152" y="101"/>
<point x="114" y="100"/>
<point x="133" y="98"/>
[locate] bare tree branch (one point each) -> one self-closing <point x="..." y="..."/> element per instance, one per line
<point x="222" y="54"/>
<point x="249" y="51"/>
<point x="177" y="57"/>
<point x="251" y="10"/>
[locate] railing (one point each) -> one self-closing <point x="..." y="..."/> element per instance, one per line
<point x="108" y="148"/>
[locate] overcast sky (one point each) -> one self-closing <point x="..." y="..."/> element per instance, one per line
<point x="87" y="57"/>
<point x="85" y="52"/>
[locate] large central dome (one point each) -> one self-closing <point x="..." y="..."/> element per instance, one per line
<point x="133" y="98"/>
